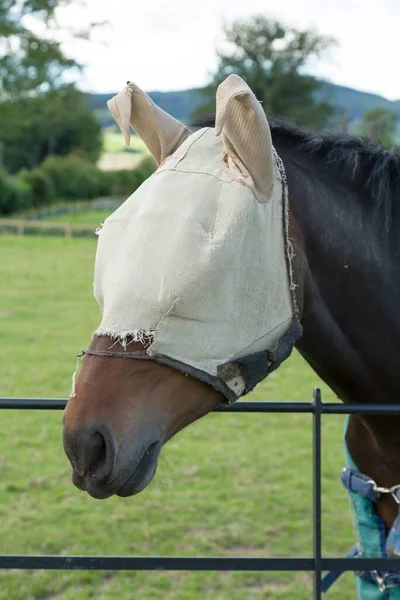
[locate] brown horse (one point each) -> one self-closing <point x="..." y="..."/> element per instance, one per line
<point x="344" y="223"/>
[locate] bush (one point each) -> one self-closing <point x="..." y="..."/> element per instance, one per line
<point x="15" y="194"/>
<point x="69" y="178"/>
<point x="73" y="177"/>
<point x="42" y="187"/>
<point x="121" y="183"/>
<point x="145" y="168"/>
<point x="125" y="181"/>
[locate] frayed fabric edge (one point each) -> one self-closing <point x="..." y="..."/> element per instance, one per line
<point x="143" y="336"/>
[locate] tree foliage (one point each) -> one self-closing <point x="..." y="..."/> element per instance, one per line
<point x="56" y="122"/>
<point x="381" y="124"/>
<point x="29" y="60"/>
<point x="273" y="59"/>
<point x="39" y="114"/>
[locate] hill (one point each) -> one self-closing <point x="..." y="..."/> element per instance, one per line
<point x="181" y="104"/>
<point x="355" y="102"/>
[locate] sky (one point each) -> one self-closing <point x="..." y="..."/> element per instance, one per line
<point x="171" y="44"/>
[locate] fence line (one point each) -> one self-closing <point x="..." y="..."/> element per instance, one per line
<point x="31" y="227"/>
<point x="71" y="207"/>
<point x="317" y="563"/>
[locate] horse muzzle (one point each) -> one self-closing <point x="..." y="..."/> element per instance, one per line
<point x="102" y="469"/>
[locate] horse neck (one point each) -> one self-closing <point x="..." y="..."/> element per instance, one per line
<point x="346" y="272"/>
<point x="348" y="293"/>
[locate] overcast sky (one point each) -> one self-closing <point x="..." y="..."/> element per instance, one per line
<point x="170" y="44"/>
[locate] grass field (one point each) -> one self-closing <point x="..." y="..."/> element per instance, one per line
<point x="116" y="155"/>
<point x="114" y="142"/>
<point x="230" y="485"/>
<point x="117" y="161"/>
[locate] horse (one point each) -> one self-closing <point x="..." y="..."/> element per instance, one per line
<point x="340" y="302"/>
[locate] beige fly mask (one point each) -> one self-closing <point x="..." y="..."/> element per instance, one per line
<point x="197" y="260"/>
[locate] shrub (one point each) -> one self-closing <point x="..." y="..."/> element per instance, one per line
<point x="121" y="183"/>
<point x="125" y="181"/>
<point x="69" y="178"/>
<point x="145" y="168"/>
<point x="73" y="177"/>
<point x="42" y="187"/>
<point x="15" y="194"/>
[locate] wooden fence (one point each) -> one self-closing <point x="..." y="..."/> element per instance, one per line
<point x="30" y="227"/>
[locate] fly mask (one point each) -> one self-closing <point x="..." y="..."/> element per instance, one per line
<point x="197" y="262"/>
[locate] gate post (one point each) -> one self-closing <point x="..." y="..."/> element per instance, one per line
<point x="317" y="406"/>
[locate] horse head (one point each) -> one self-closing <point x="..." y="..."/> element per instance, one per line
<point x="194" y="282"/>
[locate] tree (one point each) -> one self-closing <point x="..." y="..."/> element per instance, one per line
<point x="27" y="60"/>
<point x="273" y="60"/>
<point x="381" y="124"/>
<point x="39" y="114"/>
<point x="53" y="122"/>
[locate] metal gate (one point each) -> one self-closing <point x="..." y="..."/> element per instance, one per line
<point x="316" y="563"/>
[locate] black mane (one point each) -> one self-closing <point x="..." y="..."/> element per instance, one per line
<point x="361" y="163"/>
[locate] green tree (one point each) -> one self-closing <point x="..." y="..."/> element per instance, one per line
<point x="27" y="60"/>
<point x="39" y="114"/>
<point x="273" y="58"/>
<point x="54" y="122"/>
<point x="381" y="124"/>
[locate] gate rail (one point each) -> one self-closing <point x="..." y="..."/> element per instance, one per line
<point x="316" y="563"/>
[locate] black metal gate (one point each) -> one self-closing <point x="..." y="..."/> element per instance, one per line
<point x="316" y="563"/>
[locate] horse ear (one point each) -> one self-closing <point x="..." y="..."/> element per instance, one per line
<point x="161" y="133"/>
<point x="245" y="135"/>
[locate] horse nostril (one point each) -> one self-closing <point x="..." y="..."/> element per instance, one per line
<point x="91" y="452"/>
<point x="99" y="454"/>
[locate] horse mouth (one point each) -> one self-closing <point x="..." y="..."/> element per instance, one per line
<point x="143" y="473"/>
<point x="135" y="483"/>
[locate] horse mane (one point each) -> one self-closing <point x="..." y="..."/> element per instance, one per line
<point x="361" y="163"/>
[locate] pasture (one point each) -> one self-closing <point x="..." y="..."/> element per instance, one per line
<point x="114" y="142"/>
<point x="229" y="485"/>
<point x="116" y="155"/>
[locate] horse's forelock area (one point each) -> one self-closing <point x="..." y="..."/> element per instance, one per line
<point x="364" y="165"/>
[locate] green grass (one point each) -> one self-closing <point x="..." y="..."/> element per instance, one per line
<point x="89" y="217"/>
<point x="229" y="485"/>
<point x="113" y="141"/>
<point x="116" y="155"/>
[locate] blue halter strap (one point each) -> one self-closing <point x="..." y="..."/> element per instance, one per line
<point x="371" y="532"/>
